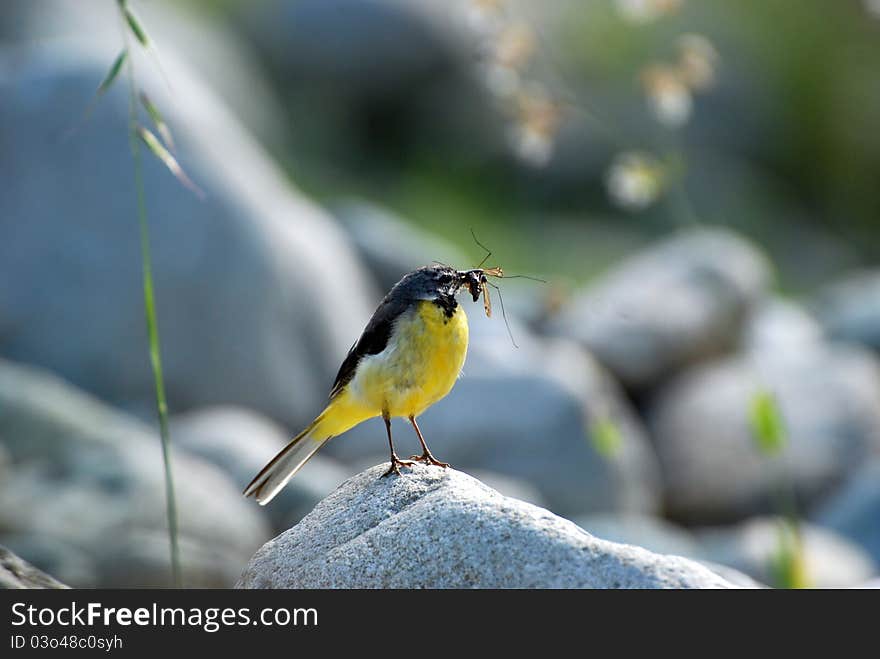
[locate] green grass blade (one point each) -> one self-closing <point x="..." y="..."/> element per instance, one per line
<point x="158" y="121"/>
<point x="766" y="423"/>
<point x="788" y="567"/>
<point x="154" y="145"/>
<point x="136" y="29"/>
<point x="113" y="73"/>
<point x="156" y="364"/>
<point x="155" y="351"/>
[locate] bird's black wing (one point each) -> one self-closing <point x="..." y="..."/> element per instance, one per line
<point x="373" y="340"/>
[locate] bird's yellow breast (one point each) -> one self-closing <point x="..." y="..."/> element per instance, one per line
<point x="420" y="365"/>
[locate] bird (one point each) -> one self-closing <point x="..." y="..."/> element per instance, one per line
<point x="408" y="357"/>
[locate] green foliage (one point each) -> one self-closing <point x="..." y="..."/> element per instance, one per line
<point x="113" y="73"/>
<point x="606" y="437"/>
<point x="156" y="365"/>
<point x="766" y="423"/>
<point x="158" y="121"/>
<point x="136" y="29"/>
<point x="141" y="135"/>
<point x="788" y="567"/>
<point x="158" y="150"/>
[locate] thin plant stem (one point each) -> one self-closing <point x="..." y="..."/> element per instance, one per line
<point x="153" y="327"/>
<point x="669" y="142"/>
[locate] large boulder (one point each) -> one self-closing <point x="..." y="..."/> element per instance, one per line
<point x="669" y="306"/>
<point x="16" y="573"/>
<point x="85" y="497"/>
<point x="216" y="51"/>
<point x="258" y="294"/>
<point x="436" y="528"/>
<point x="241" y="442"/>
<point x="544" y="412"/>
<point x="829" y="399"/>
<point x="780" y="326"/>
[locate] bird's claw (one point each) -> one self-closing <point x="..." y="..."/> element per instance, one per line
<point x="396" y="464"/>
<point x="428" y="459"/>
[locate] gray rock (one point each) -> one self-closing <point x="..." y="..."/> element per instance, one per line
<point x="435" y="528"/>
<point x="653" y="533"/>
<point x="141" y="557"/>
<point x="16" y="573"/>
<point x="241" y="442"/>
<point x="67" y="562"/>
<point x="668" y="306"/>
<point x="850" y="309"/>
<point x="829" y="560"/>
<point x="735" y="577"/>
<point x="854" y="510"/>
<point x="829" y="397"/>
<point x="391" y="247"/>
<point x="780" y="326"/>
<point x="258" y="294"/>
<point x="88" y="477"/>
<point x="662" y="537"/>
<point x="530" y="413"/>
<point x="218" y="53"/>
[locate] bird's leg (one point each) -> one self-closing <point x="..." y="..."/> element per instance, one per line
<point x="396" y="462"/>
<point x="426" y="455"/>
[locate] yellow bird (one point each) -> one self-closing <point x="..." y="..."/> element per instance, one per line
<point x="407" y="358"/>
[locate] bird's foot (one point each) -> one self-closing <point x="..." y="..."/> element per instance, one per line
<point x="428" y="459"/>
<point x="396" y="464"/>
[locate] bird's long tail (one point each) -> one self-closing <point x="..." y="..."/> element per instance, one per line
<point x="339" y="416"/>
<point x="274" y="476"/>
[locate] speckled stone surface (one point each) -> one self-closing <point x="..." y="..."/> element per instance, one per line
<point x="436" y="528"/>
<point x="16" y="573"/>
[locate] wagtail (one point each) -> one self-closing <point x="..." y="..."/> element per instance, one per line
<point x="407" y="358"/>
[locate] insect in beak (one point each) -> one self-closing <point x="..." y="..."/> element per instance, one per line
<point x="484" y="285"/>
<point x="478" y="284"/>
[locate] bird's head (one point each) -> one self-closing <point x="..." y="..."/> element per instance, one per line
<point x="438" y="282"/>
<point x="432" y="282"/>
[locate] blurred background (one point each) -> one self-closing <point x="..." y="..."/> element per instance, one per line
<point x="697" y="182"/>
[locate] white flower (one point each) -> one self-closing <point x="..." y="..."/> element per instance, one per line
<point x="697" y="59"/>
<point x="634" y="180"/>
<point x="531" y="146"/>
<point x="537" y="123"/>
<point x="668" y="95"/>
<point x="515" y="45"/>
<point x="510" y="54"/>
